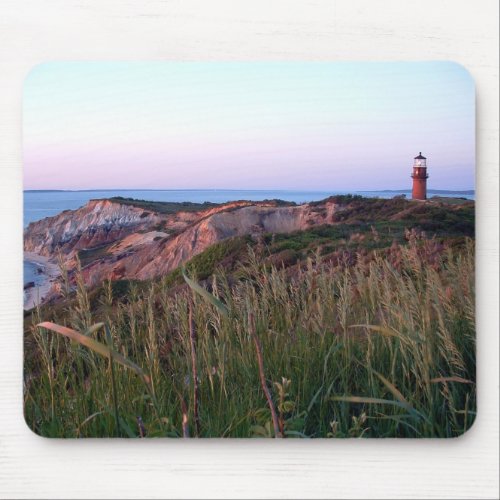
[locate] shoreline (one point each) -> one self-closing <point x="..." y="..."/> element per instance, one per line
<point x="50" y="272"/>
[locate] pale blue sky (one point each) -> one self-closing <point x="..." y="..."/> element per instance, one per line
<point x="315" y="126"/>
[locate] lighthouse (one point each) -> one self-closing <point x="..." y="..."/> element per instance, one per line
<point x="419" y="176"/>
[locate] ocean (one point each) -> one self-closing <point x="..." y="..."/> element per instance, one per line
<point x="30" y="273"/>
<point x="41" y="204"/>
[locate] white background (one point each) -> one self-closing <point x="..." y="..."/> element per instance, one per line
<point x="35" y="31"/>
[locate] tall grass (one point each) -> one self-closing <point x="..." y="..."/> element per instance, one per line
<point x="381" y="348"/>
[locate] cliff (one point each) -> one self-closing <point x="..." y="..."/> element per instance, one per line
<point x="132" y="239"/>
<point x="121" y="240"/>
<point x="97" y="223"/>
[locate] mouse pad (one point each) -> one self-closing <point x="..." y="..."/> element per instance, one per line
<point x="249" y="250"/>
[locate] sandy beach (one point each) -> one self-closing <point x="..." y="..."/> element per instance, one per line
<point x="50" y="271"/>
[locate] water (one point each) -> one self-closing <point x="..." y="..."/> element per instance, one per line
<point x="41" y="204"/>
<point x="30" y="273"/>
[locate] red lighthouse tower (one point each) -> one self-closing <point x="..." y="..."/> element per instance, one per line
<point x="419" y="176"/>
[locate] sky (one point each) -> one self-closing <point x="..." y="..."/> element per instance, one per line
<point x="292" y="126"/>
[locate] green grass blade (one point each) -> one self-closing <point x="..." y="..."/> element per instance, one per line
<point x="88" y="419"/>
<point x="109" y="340"/>
<point x="460" y="380"/>
<point x="95" y="346"/>
<point x="397" y="394"/>
<point x="206" y="295"/>
<point x="93" y="329"/>
<point x="314" y="399"/>
<point x="394" y="391"/>
<point x="359" y="399"/>
<point x="387" y="332"/>
<point x="399" y="419"/>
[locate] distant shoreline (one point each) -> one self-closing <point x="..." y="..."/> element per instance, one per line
<point x="431" y="191"/>
<point x="435" y="191"/>
<point x="33" y="296"/>
<point x="39" y="204"/>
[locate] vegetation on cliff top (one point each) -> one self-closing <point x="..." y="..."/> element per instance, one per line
<point x="164" y="207"/>
<point x="172" y="207"/>
<point x="389" y="217"/>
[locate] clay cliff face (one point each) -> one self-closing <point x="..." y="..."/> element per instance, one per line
<point x="242" y="221"/>
<point x="97" y="223"/>
<point x="135" y="243"/>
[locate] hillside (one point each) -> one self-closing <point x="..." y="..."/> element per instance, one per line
<point x="355" y="315"/>
<point x="134" y="240"/>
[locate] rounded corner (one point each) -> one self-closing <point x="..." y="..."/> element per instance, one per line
<point x="32" y="71"/>
<point x="32" y="431"/>
<point x="466" y="72"/>
<point x="466" y="432"/>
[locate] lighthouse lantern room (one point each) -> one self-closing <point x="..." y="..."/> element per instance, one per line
<point x="419" y="176"/>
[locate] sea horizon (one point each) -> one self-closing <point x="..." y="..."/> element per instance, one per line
<point x="41" y="203"/>
<point x="464" y="191"/>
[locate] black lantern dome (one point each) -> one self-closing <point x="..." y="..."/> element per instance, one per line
<point x="420" y="161"/>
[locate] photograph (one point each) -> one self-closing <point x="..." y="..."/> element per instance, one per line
<point x="249" y="249"/>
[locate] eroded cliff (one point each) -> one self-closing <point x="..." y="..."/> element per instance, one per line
<point x="116" y="240"/>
